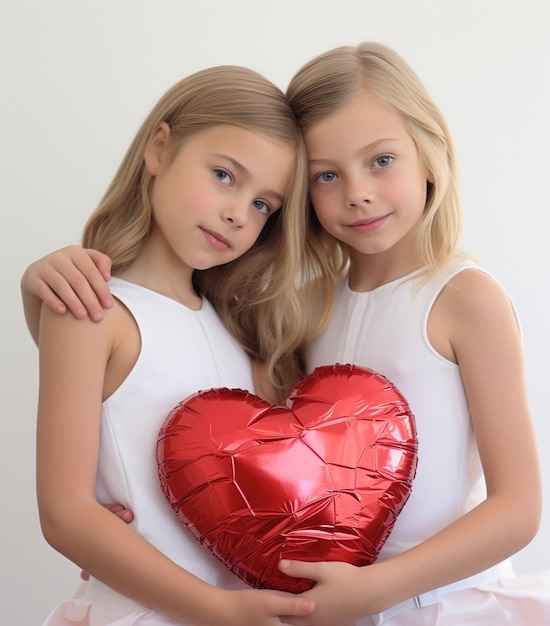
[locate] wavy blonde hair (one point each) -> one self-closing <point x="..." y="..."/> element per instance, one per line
<point x="330" y="81"/>
<point x="255" y="295"/>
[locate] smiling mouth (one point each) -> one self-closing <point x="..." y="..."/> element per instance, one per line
<point x="216" y="240"/>
<point x="368" y="225"/>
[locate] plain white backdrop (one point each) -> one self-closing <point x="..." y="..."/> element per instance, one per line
<point x="78" y="77"/>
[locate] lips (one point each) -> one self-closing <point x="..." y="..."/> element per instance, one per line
<point x="369" y="224"/>
<point x="217" y="241"/>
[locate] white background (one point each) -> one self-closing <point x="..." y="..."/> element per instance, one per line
<point x="78" y="78"/>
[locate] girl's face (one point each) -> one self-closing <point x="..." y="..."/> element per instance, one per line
<point x="213" y="197"/>
<point x="367" y="182"/>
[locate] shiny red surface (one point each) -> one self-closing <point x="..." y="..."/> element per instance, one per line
<point x="322" y="477"/>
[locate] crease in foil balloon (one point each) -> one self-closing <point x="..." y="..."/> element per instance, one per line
<point x="321" y="477"/>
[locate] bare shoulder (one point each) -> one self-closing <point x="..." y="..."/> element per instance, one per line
<point x="472" y="304"/>
<point x="474" y="295"/>
<point x="109" y="348"/>
<point x="477" y="283"/>
<point x="69" y="328"/>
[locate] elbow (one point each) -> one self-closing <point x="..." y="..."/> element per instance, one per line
<point x="64" y="524"/>
<point x="525" y="533"/>
<point x="531" y="525"/>
<point x="53" y="530"/>
<point x="68" y="525"/>
<point x="533" y="514"/>
<point x="527" y="522"/>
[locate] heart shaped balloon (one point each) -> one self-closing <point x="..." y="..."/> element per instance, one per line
<point x="321" y="478"/>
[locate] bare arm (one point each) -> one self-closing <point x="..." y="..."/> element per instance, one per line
<point x="483" y="335"/>
<point x="74" y="357"/>
<point x="71" y="279"/>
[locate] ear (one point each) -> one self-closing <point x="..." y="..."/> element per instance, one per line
<point x="157" y="147"/>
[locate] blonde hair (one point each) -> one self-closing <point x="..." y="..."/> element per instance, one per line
<point x="256" y="294"/>
<point x="330" y="81"/>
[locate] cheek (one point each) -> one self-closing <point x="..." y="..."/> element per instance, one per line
<point x="409" y="193"/>
<point x="252" y="233"/>
<point x="401" y="193"/>
<point x="163" y="190"/>
<point x="327" y="217"/>
<point x="324" y="204"/>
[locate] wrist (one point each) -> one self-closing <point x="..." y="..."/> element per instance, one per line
<point x="385" y="587"/>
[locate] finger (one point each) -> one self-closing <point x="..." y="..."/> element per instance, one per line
<point x="102" y="262"/>
<point x="80" y="291"/>
<point x="301" y="569"/>
<point x="126" y="516"/>
<point x="51" y="300"/>
<point x="87" y="282"/>
<point x="295" y="606"/>
<point x="120" y="511"/>
<point x="73" y="290"/>
<point x="77" y="277"/>
<point x="97" y="271"/>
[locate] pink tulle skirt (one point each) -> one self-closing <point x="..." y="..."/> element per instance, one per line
<point x="515" y="601"/>
<point x="95" y="604"/>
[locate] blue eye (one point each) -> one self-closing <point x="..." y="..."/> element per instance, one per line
<point x="326" y="177"/>
<point x="222" y="175"/>
<point x="261" y="206"/>
<point x="383" y="161"/>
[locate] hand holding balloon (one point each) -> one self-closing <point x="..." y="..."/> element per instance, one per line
<point x="321" y="478"/>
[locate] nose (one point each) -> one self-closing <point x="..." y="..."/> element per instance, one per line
<point x="358" y="192"/>
<point x="236" y="213"/>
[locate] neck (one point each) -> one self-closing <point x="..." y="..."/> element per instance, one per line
<point x="369" y="271"/>
<point x="165" y="275"/>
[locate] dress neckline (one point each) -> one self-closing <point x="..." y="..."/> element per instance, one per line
<point x="162" y="296"/>
<point x="384" y="286"/>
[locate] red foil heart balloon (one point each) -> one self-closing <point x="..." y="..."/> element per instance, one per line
<point x="321" y="478"/>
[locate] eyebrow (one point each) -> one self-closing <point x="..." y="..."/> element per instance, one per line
<point x="368" y="148"/>
<point x="239" y="166"/>
<point x="242" y="170"/>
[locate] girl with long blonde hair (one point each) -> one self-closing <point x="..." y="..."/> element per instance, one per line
<point x="385" y="217"/>
<point x="204" y="224"/>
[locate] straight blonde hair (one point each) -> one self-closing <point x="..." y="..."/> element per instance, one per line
<point x="330" y="81"/>
<point x="255" y="295"/>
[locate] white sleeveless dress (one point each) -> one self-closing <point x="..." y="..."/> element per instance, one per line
<point x="386" y="329"/>
<point x="182" y="351"/>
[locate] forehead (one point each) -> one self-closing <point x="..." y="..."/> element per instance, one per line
<point x="263" y="161"/>
<point x="360" y="121"/>
<point x="237" y="138"/>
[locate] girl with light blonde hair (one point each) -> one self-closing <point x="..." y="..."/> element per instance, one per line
<point x="204" y="224"/>
<point x="385" y="210"/>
